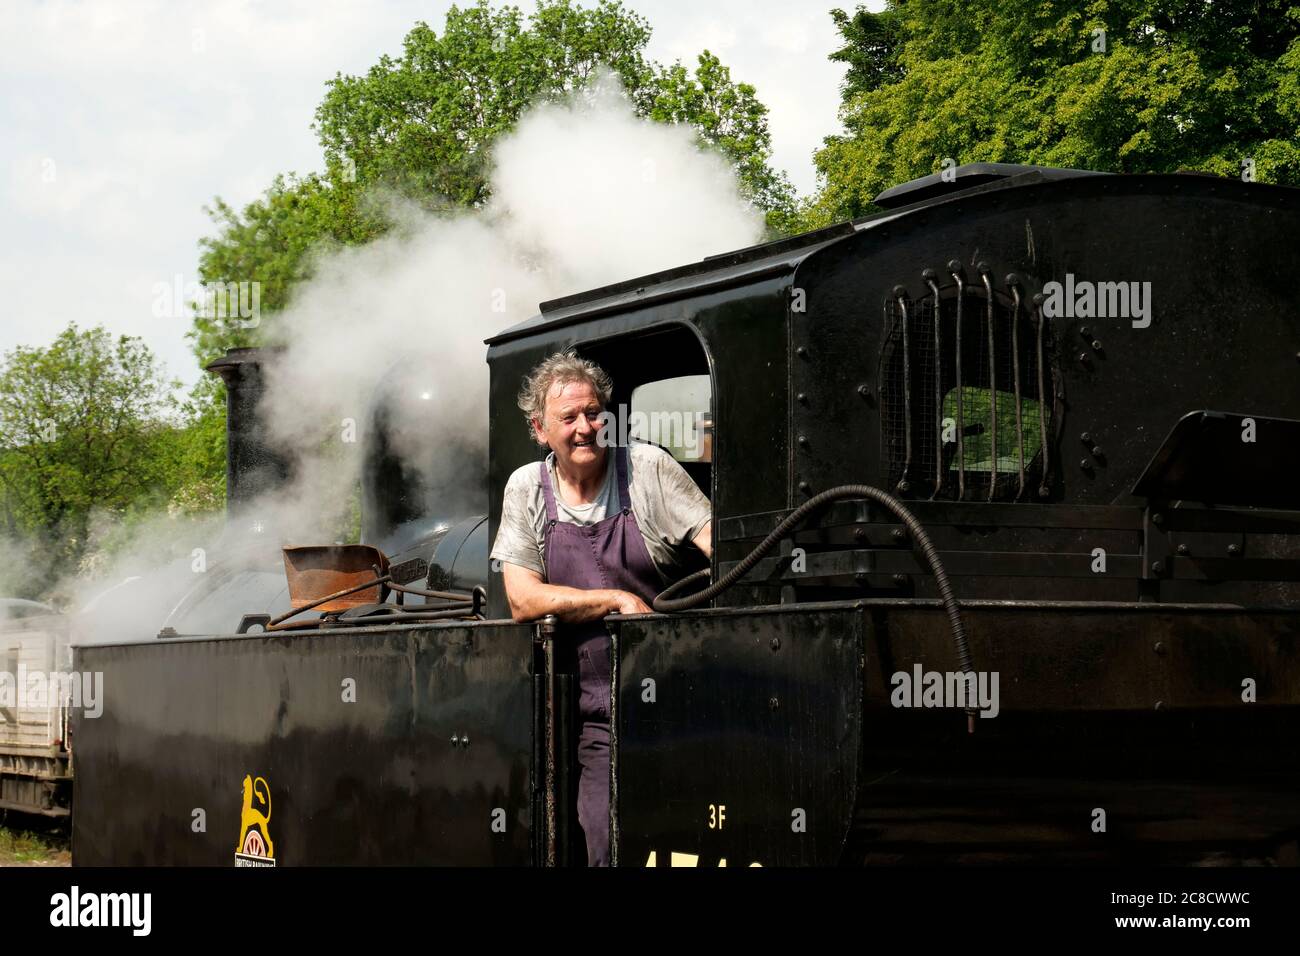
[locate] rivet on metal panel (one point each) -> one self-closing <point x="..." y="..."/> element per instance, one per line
<point x="1085" y="464"/>
<point x="1234" y="550"/>
<point x="899" y="534"/>
<point x="801" y="398"/>
<point x="1098" y="453"/>
<point x="775" y="643"/>
<point x="1184" y="549"/>
<point x="1157" y="518"/>
<point x="1157" y="567"/>
<point x="803" y="441"/>
<point x="805" y="487"/>
<point x="1096" y="345"/>
<point x="900" y="578"/>
<point x="773" y="703"/>
<point x="864" y="391"/>
<point x="1160" y="704"/>
<point x="1086" y="438"/>
<point x="860" y="535"/>
<point x="1084" y="331"/>
<point x="1160" y="647"/>
<point x="801" y="351"/>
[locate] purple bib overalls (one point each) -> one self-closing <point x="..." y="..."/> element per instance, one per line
<point x="608" y="554"/>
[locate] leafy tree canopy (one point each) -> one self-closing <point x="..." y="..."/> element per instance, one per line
<point x="89" y="427"/>
<point x="1110" y="85"/>
<point x="422" y="125"/>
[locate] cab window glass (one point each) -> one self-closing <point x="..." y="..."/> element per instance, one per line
<point x="674" y="413"/>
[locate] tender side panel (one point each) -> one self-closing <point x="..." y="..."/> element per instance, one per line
<point x="1134" y="733"/>
<point x="377" y="747"/>
<point x="745" y="746"/>
<point x="1178" y="723"/>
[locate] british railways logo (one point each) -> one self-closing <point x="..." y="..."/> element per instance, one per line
<point x="255" y="847"/>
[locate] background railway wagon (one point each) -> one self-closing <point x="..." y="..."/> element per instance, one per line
<point x="35" y="763"/>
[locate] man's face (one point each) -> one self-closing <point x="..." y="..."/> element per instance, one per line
<point x="571" y="424"/>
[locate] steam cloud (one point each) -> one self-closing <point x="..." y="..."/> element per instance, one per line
<point x="584" y="193"/>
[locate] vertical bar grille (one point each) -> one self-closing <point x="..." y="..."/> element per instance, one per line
<point x="957" y="422"/>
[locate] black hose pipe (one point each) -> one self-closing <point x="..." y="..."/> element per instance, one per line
<point x="664" y="603"/>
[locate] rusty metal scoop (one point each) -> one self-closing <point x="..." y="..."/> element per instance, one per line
<point x="322" y="571"/>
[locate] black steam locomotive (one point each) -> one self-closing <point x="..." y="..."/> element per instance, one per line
<point x="1006" y="548"/>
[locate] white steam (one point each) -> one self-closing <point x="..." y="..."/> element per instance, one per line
<point x="600" y="195"/>
<point x="583" y="194"/>
<point x="17" y="566"/>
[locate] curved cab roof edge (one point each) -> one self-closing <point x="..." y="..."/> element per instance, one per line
<point x="785" y="255"/>
<point x="731" y="268"/>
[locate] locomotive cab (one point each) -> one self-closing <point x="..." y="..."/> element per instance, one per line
<point x="1032" y="365"/>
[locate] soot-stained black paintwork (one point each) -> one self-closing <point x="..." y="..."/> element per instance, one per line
<point x="377" y="781"/>
<point x="783" y="717"/>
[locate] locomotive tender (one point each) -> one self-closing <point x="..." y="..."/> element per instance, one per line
<point x="1076" y="400"/>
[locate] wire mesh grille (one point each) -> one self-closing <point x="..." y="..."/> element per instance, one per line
<point x="964" y="443"/>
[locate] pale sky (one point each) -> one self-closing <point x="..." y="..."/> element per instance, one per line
<point x="120" y="120"/>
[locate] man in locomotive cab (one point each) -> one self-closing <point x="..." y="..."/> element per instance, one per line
<point x="590" y="531"/>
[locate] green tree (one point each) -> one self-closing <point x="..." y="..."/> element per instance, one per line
<point x="1113" y="85"/>
<point x="196" y="478"/>
<point x="871" y="42"/>
<point x="89" y="426"/>
<point x="421" y="125"/>
<point x="274" y="241"/>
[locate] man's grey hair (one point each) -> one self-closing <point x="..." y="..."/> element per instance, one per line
<point x="560" y="369"/>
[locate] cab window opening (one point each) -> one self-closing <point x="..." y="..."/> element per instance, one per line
<point x="663" y="389"/>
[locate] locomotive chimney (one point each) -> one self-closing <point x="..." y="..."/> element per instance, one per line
<point x="252" y="467"/>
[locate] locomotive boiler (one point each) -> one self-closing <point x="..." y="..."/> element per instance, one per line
<point x="1005" y="568"/>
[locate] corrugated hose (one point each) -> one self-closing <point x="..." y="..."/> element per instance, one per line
<point x="664" y="603"/>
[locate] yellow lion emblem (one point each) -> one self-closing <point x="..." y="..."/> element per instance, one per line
<point x="255" y="825"/>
